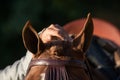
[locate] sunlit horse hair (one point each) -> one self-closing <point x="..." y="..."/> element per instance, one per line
<point x="58" y="59"/>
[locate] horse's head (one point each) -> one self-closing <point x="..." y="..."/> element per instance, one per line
<point x="58" y="59"/>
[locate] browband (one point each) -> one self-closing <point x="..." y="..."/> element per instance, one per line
<point x="46" y="62"/>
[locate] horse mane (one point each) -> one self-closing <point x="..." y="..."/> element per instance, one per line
<point x="56" y="73"/>
<point x="61" y="69"/>
<point x="61" y="73"/>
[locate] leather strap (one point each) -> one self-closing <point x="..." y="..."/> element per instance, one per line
<point x="46" y="62"/>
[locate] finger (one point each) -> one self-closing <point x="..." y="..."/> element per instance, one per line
<point x="59" y="32"/>
<point x="55" y="33"/>
<point x="61" y="35"/>
<point x="65" y="35"/>
<point x="55" y="27"/>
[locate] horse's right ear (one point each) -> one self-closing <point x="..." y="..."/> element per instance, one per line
<point x="31" y="38"/>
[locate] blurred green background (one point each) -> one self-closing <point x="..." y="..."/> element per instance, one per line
<point x="41" y="13"/>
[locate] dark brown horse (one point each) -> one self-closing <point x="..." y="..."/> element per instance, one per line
<point x="58" y="59"/>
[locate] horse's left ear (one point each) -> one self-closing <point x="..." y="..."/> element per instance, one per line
<point x="31" y="38"/>
<point x="83" y="39"/>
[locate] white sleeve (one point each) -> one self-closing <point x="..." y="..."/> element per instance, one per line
<point x="18" y="70"/>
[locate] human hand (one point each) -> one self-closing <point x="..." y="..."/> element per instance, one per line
<point x="54" y="32"/>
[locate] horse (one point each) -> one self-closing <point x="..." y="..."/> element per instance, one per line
<point x="104" y="51"/>
<point x="58" y="59"/>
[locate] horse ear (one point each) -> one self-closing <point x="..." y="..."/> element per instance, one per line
<point x="31" y="38"/>
<point x="83" y="39"/>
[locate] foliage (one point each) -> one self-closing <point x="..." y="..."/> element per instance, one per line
<point x="41" y="13"/>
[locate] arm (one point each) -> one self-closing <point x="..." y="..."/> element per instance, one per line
<point x="17" y="71"/>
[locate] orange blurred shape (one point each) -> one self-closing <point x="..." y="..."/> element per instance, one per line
<point x="102" y="29"/>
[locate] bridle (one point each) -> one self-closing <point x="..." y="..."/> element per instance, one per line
<point x="51" y="62"/>
<point x="47" y="62"/>
<point x="69" y="61"/>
